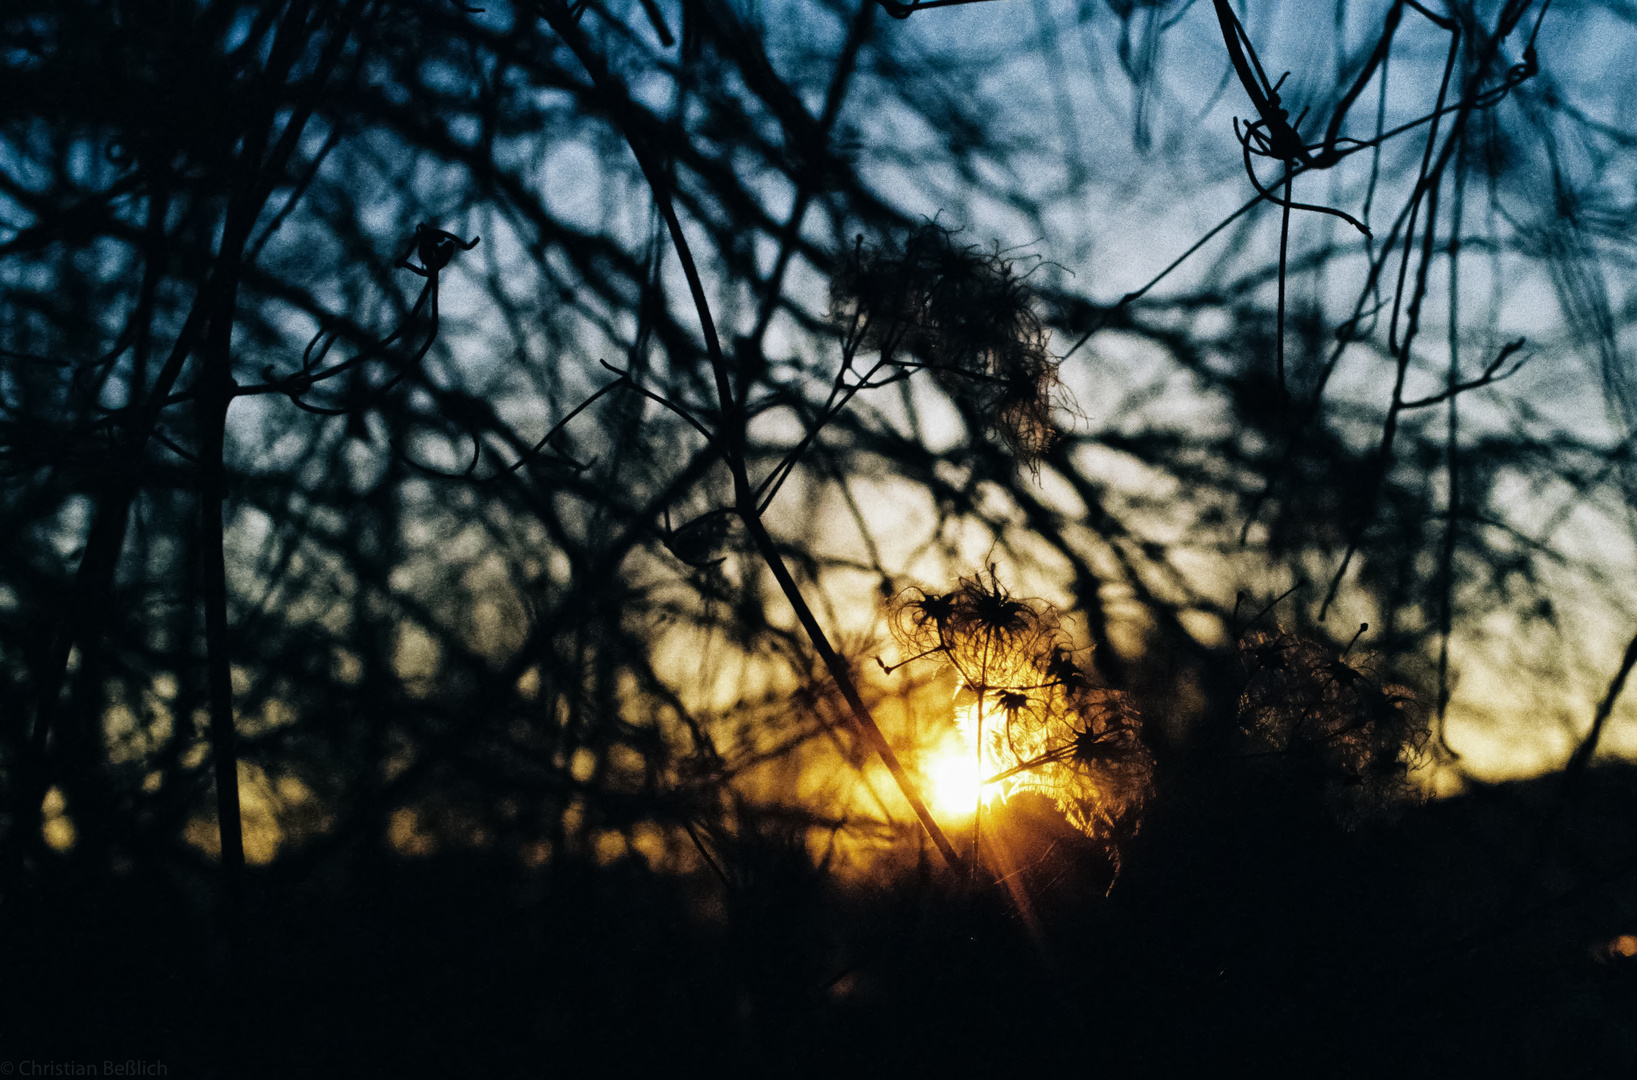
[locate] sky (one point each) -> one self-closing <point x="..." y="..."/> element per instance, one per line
<point x="1523" y="697"/>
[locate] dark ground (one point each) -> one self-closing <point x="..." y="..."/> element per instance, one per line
<point x="1247" y="933"/>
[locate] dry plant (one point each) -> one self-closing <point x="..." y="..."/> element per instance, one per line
<point x="241" y="233"/>
<point x="1032" y="716"/>
<point x="1333" y="715"/>
<point x="964" y="314"/>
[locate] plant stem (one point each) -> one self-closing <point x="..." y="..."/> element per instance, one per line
<point x="977" y="809"/>
<point x="840" y="672"/>
<point x="731" y="434"/>
<point x="215" y="394"/>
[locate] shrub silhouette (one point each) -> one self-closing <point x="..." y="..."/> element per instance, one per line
<point x="1306" y="704"/>
<point x="368" y="544"/>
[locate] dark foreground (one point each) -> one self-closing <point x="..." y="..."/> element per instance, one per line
<point x="1247" y="933"/>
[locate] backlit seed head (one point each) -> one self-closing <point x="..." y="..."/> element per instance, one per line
<point x="968" y="316"/>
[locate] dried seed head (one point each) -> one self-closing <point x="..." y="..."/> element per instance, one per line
<point x="965" y="314"/>
<point x="1045" y="723"/>
<point x="1302" y="702"/>
<point x="980" y="626"/>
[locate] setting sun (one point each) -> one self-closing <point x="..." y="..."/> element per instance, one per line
<point x="954" y="773"/>
<point x="954" y="780"/>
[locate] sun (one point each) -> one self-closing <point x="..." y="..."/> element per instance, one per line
<point x="955" y="776"/>
<point x="955" y="781"/>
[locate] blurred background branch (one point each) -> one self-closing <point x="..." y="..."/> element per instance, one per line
<point x="367" y="549"/>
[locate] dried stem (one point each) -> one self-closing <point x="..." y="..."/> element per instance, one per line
<point x="730" y="435"/>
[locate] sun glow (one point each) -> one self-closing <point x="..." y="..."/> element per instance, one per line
<point x="1028" y="716"/>
<point x="955" y="781"/>
<point x="955" y="774"/>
